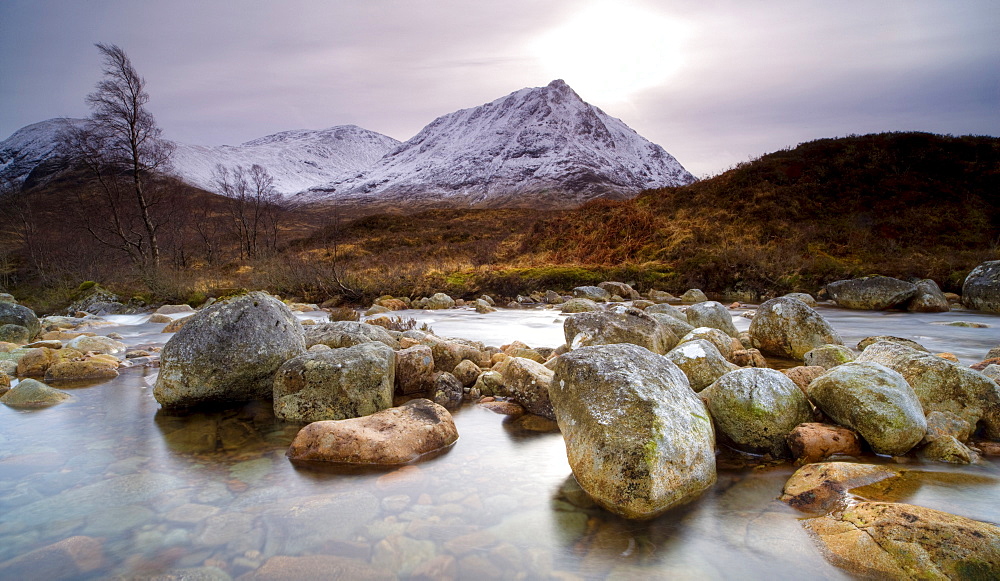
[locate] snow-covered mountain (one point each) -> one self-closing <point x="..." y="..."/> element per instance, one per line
<point x="538" y="147"/>
<point x="297" y="160"/>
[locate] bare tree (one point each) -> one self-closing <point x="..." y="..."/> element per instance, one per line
<point x="120" y="148"/>
<point x="254" y="207"/>
<point x="19" y="222"/>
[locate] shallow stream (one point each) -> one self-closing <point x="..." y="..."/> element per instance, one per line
<point x="214" y="489"/>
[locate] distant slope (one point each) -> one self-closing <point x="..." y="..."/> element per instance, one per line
<point x="539" y="147"/>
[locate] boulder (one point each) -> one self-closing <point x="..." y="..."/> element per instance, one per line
<point x="30" y="393"/>
<point x="337" y="384"/>
<point x="677" y="326"/>
<point x="398" y="435"/>
<point x="712" y="314"/>
<point x="804" y="297"/>
<point x="10" y="333"/>
<point x="228" y="352"/>
<point x="755" y="409"/>
<point x="618" y="325"/>
<point x="789" y="328"/>
<point x="693" y="295"/>
<point x="448" y="390"/>
<point x="722" y="341"/>
<point x="96" y="300"/>
<point x="658" y="296"/>
<point x="621" y="289"/>
<point x="82" y="369"/>
<point x="864" y="343"/>
<point x="700" y="361"/>
<point x="803" y="375"/>
<point x="941" y="385"/>
<point x="482" y="307"/>
<point x="527" y="382"/>
<point x="553" y="298"/>
<point x="638" y="440"/>
<point x="7" y="298"/>
<point x="823" y="486"/>
<point x="15" y="314"/>
<point x="36" y="361"/>
<point x="874" y="401"/>
<point x="177" y="324"/>
<point x="828" y="356"/>
<point x="489" y="383"/>
<point x="949" y="449"/>
<point x="347" y="334"/>
<point x="871" y="293"/>
<point x="448" y="353"/>
<point x="414" y="370"/>
<point x="439" y="301"/>
<point x="748" y="358"/>
<point x="97" y="344"/>
<point x="594" y="293"/>
<point x="174" y="309"/>
<point x="466" y="372"/>
<point x="813" y="442"/>
<point x="160" y="319"/>
<point x="981" y="290"/>
<point x="884" y="540"/>
<point x="947" y="424"/>
<point x="579" y="306"/>
<point x="929" y="299"/>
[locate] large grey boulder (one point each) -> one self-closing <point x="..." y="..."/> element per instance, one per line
<point x="579" y="306"/>
<point x="872" y="293"/>
<point x="30" y="393"/>
<point x="929" y="299"/>
<point x="874" y="401"/>
<point x="15" y="314"/>
<point x="621" y="289"/>
<point x="594" y="293"/>
<point x="755" y="409"/>
<point x="677" y="326"/>
<point x="347" y="334"/>
<point x="439" y="301"/>
<point x="712" y="314"/>
<point x="335" y="384"/>
<point x="981" y="290"/>
<point x="723" y="342"/>
<point x="618" y="325"/>
<point x="638" y="439"/>
<point x="667" y="309"/>
<point x="228" y="352"/>
<point x="701" y="362"/>
<point x="828" y="356"/>
<point x="789" y="328"/>
<point x="527" y="382"/>
<point x="942" y="385"/>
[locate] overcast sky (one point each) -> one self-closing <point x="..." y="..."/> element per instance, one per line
<point x="713" y="82"/>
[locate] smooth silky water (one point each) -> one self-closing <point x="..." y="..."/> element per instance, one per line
<point x="213" y="488"/>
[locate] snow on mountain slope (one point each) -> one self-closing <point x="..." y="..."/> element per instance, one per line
<point x="537" y="146"/>
<point x="31" y="146"/>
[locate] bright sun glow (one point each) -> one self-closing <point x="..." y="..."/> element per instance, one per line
<point x="611" y="50"/>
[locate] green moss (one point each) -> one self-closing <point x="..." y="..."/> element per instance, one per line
<point x="85" y="286"/>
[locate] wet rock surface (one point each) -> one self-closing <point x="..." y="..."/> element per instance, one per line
<point x="872" y="293"/>
<point x="789" y="328"/>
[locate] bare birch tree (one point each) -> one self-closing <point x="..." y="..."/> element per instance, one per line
<point x="254" y="207"/>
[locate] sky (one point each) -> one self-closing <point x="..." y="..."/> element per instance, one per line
<point x="714" y="82"/>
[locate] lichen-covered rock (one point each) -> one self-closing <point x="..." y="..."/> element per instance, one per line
<point x="89" y="368"/>
<point x="874" y="401"/>
<point x="723" y="342"/>
<point x="482" y="307"/>
<point x="700" y="361"/>
<point x="414" y="369"/>
<point x="947" y="424"/>
<point x="828" y="356"/>
<point x="693" y="295"/>
<point x="618" y="325"/>
<point x="347" y="334"/>
<point x="823" y="486"/>
<point x="789" y="328"/>
<point x="949" y="449"/>
<point x="554" y="298"/>
<point x="448" y="390"/>
<point x="981" y="289"/>
<point x="942" y="385"/>
<point x="448" y="353"/>
<point x="929" y="299"/>
<point x="621" y="289"/>
<point x="467" y="372"/>
<point x="668" y="309"/>
<point x="398" y="435"/>
<point x="228" y="352"/>
<point x="36" y="361"/>
<point x="15" y="314"/>
<point x="30" y="393"/>
<point x="96" y="300"/>
<point x="438" y="301"/>
<point x="594" y="293"/>
<point x="527" y="382"/>
<point x="337" y="384"/>
<point x="872" y="293"/>
<point x="712" y="314"/>
<point x="884" y="540"/>
<point x="10" y="333"/>
<point x="677" y="326"/>
<point x="864" y="343"/>
<point x="177" y="324"/>
<point x="97" y="344"/>
<point x="579" y="306"/>
<point x="813" y="442"/>
<point x="489" y="383"/>
<point x="804" y="297"/>
<point x="638" y="439"/>
<point x="755" y="409"/>
<point x="658" y="296"/>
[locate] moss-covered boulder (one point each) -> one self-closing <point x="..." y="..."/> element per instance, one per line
<point x="668" y="309"/>
<point x="638" y="439"/>
<point x="579" y="306"/>
<point x="929" y="299"/>
<point x="10" y="333"/>
<point x="30" y="394"/>
<point x="712" y="314"/>
<point x="755" y="409"/>
<point x="701" y="362"/>
<point x="414" y="369"/>
<point x="981" y="289"/>
<point x="618" y="325"/>
<point x="335" y="384"/>
<point x="677" y="326"/>
<point x="527" y="382"/>
<point x="15" y="314"/>
<point x="942" y="385"/>
<point x="593" y="293"/>
<point x="347" y="334"/>
<point x="724" y="343"/>
<point x="787" y="327"/>
<point x="874" y="401"/>
<point x="828" y="356"/>
<point x="621" y="289"/>
<point x="228" y="352"/>
<point x="871" y="293"/>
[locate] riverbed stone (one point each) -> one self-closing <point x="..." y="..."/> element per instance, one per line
<point x="992" y="371"/>
<point x="942" y="385"/>
<point x="949" y="449"/>
<point x="489" y="383"/>
<point x="883" y="540"/>
<point x="30" y="393"/>
<point x="18" y="334"/>
<point x="723" y="342"/>
<point x="316" y="568"/>
<point x="822" y="486"/>
<point x="414" y="369"/>
<point x="467" y="372"/>
<point x="677" y="326"/>
<point x="981" y="289"/>
<point x="618" y="325"/>
<point x="579" y="306"/>
<point x="438" y="301"/>
<point x="527" y="382"/>
<point x="448" y="391"/>
<point x="337" y="384"/>
<point x="712" y="314"/>
<point x="89" y="368"/>
<point x="804" y="297"/>
<point x="872" y="293"/>
<point x="594" y="293"/>
<point x="789" y="328"/>
<point x="71" y="558"/>
<point x="228" y="352"/>
<point x="397" y="435"/>
<point x="15" y="314"/>
<point x="638" y="440"/>
<point x="929" y="299"/>
<point x="812" y="442"/>
<point x="755" y="408"/>
<point x="177" y="324"/>
<point x="828" y="356"/>
<point x="347" y="334"/>
<point x="873" y="400"/>
<point x="621" y="289"/>
<point x="864" y="343"/>
<point x="97" y="344"/>
<point x="700" y="361"/>
<point x="668" y="309"/>
<point x="448" y="353"/>
<point x="693" y="295"/>
<point x="174" y="309"/>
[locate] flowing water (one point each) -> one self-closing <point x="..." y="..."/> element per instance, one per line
<point x="163" y="491"/>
